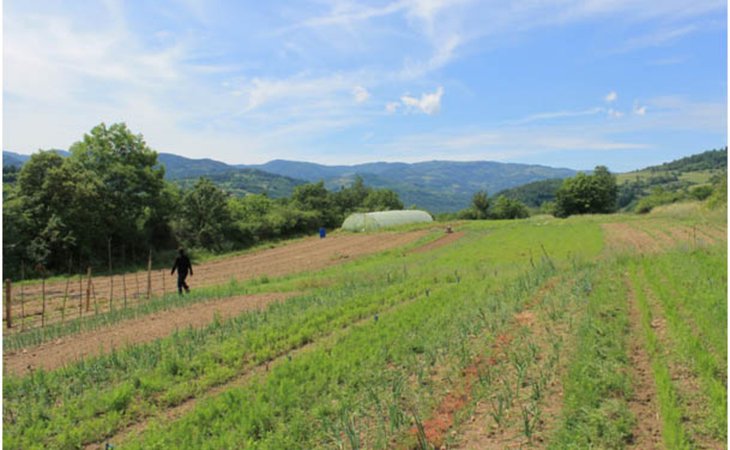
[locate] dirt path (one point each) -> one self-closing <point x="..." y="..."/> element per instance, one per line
<point x="55" y="354"/>
<point x="307" y="254"/>
<point x="647" y="433"/>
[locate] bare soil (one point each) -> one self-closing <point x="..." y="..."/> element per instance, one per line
<point x="55" y="354"/>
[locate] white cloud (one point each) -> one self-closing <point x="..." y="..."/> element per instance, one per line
<point x="392" y="107"/>
<point x="639" y="110"/>
<point x="361" y="94"/>
<point x="428" y="103"/>
<point x="611" y="97"/>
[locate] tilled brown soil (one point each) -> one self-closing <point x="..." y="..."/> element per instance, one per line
<point x="55" y="354"/>
<point x="308" y="254"/>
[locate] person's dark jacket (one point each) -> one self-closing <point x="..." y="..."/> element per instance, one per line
<point x="183" y="265"/>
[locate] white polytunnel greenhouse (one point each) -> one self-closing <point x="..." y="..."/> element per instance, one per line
<point x="384" y="219"/>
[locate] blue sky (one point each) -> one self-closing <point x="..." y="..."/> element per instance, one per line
<point x="565" y="83"/>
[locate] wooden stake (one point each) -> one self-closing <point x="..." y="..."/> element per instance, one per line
<point x="8" y="297"/>
<point x="124" y="290"/>
<point x="43" y="295"/>
<point x="162" y="272"/>
<point x="65" y="296"/>
<point x="88" y="289"/>
<point x="22" y="297"/>
<point x="149" y="276"/>
<point x="81" y="290"/>
<point x="124" y="282"/>
<point x="111" y="276"/>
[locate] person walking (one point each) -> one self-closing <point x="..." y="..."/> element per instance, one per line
<point x="183" y="265"/>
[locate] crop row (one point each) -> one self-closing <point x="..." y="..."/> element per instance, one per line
<point x="366" y="389"/>
<point x="686" y="291"/>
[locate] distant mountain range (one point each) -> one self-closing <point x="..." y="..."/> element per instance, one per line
<point x="438" y="186"/>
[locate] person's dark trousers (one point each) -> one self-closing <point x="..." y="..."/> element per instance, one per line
<point x="181" y="283"/>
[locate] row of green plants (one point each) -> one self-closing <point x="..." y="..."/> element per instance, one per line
<point x="673" y="431"/>
<point x="516" y="381"/>
<point x="86" y="401"/>
<point x="597" y="385"/>
<point x="60" y="408"/>
<point x="367" y="389"/>
<point x="688" y="290"/>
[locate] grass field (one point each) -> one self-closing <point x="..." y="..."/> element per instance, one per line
<point x="589" y="332"/>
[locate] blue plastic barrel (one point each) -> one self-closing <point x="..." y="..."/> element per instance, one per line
<point x="322" y="233"/>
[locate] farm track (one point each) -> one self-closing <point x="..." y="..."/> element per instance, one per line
<point x="691" y="400"/>
<point x="476" y="434"/>
<point x="51" y="355"/>
<point x="241" y="379"/>
<point x="305" y="255"/>
<point x="643" y="404"/>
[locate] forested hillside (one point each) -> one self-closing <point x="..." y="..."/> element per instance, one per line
<point x="438" y="186"/>
<point x="687" y="177"/>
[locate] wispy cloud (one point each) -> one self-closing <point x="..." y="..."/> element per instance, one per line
<point x="611" y="97"/>
<point x="658" y="38"/>
<point x="428" y="103"/>
<point x="638" y="109"/>
<point x="555" y="115"/>
<point x="361" y="94"/>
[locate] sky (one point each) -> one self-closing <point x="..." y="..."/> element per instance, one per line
<point x="563" y="83"/>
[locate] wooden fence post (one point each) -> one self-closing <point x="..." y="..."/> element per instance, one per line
<point x="81" y="290"/>
<point x="8" y="298"/>
<point x="124" y="289"/>
<point x="43" y="295"/>
<point x="22" y="296"/>
<point x="124" y="281"/>
<point x="111" y="275"/>
<point x="65" y="297"/>
<point x="88" y="289"/>
<point x="149" y="276"/>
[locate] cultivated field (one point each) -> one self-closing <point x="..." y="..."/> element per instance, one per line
<point x="588" y="332"/>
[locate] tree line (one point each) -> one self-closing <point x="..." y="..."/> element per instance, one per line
<point x="110" y="196"/>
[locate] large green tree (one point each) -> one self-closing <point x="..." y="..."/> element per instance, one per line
<point x="587" y="194"/>
<point x="109" y="188"/>
<point x="205" y="220"/>
<point x="129" y="178"/>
